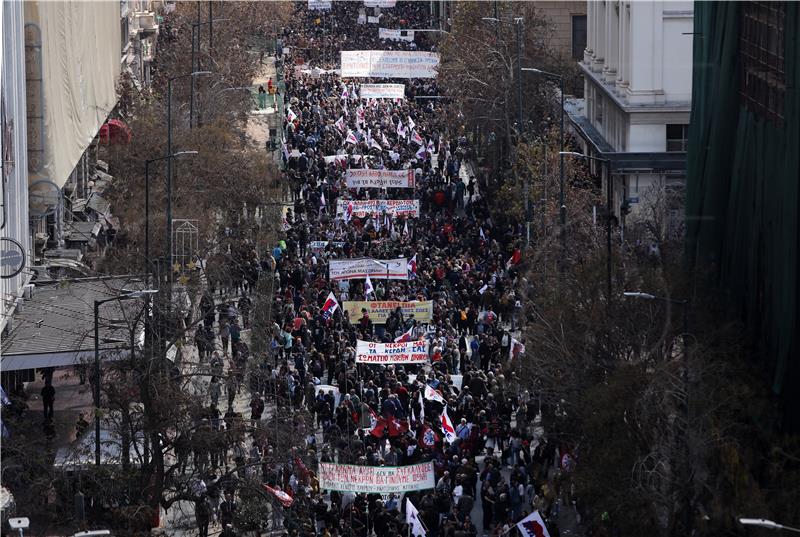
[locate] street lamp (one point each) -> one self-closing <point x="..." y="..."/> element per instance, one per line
<point x="517" y="22"/>
<point x="562" y="206"/>
<point x="764" y="523"/>
<point x="147" y="203"/>
<point x="687" y="387"/>
<point x="169" y="163"/>
<point x="126" y="295"/>
<point x="606" y="162"/>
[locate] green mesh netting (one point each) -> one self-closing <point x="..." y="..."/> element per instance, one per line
<point x="742" y="188"/>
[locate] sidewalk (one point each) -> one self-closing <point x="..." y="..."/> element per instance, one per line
<point x="260" y="121"/>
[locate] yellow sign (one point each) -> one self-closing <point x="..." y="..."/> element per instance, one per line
<point x="379" y="310"/>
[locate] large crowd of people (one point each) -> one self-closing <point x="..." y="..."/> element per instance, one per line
<point x="496" y="465"/>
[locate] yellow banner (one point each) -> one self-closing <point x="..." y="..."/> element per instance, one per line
<point x="379" y="311"/>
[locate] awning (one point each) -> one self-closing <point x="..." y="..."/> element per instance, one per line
<point x="55" y="327"/>
<point x="115" y="131"/>
<point x="81" y="231"/>
<point x="98" y="204"/>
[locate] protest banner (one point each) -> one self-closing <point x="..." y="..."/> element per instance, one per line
<point x="373" y="20"/>
<point x="363" y="208"/>
<point x="389" y="64"/>
<point x="377" y="269"/>
<point x="321" y="245"/>
<point x="364" y="177"/>
<point x="379" y="3"/>
<point x="408" y="352"/>
<point x="395" y="35"/>
<point x="376" y="479"/>
<point x="319" y="5"/>
<point x="379" y="310"/>
<point x="382" y="91"/>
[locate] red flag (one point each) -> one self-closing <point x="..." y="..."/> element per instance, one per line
<point x="405" y="336"/>
<point x="428" y="437"/>
<point x="397" y="427"/>
<point x="279" y="495"/>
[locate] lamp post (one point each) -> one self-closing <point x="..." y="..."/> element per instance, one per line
<point x="684" y="304"/>
<point x="561" y="191"/>
<point x="126" y="295"/>
<point x="169" y="165"/>
<point x="147" y="204"/>
<point x="607" y="163"/>
<point x="518" y="23"/>
<point x="195" y="29"/>
<point x="764" y="523"/>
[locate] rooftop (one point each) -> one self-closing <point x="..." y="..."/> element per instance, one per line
<point x="55" y="327"/>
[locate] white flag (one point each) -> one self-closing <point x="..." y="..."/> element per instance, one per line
<point x="412" y="519"/>
<point x="368" y="288"/>
<point x="421" y="408"/>
<point x="433" y="395"/>
<point x="533" y="526"/>
<point x="411" y="123"/>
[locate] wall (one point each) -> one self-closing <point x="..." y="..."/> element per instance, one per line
<point x="560" y="15"/>
<point x="80" y="64"/>
<point x="12" y="88"/>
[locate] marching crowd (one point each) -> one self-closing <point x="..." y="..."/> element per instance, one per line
<point x="466" y="411"/>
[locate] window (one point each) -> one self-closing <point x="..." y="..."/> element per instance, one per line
<point x="677" y="137"/>
<point x="598" y="109"/>
<point x="762" y="81"/>
<point x="124" y="37"/>
<point x="578" y="36"/>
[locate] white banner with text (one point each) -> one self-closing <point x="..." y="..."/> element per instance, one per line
<point x="376" y="479"/>
<point x="367" y="178"/>
<point x="377" y="269"/>
<point x="382" y="91"/>
<point x="362" y="208"/>
<point x="389" y="64"/>
<point x="395" y="35"/>
<point x="406" y="352"/>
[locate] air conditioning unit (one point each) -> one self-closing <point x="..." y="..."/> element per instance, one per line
<point x="147" y="21"/>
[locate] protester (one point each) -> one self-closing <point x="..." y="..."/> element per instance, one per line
<point x="454" y="410"/>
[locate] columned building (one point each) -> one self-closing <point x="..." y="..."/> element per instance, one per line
<point x="637" y="69"/>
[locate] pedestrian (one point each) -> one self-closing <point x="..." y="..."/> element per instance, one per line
<point x="227" y="511"/>
<point x="235" y="332"/>
<point x="48" y="394"/>
<point x="214" y="390"/>
<point x="224" y="334"/>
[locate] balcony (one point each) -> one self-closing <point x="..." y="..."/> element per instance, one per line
<point x="147" y="22"/>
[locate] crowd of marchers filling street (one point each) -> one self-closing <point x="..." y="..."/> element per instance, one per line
<point x="396" y="313"/>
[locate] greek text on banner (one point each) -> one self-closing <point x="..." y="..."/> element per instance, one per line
<point x="376" y="479"/>
<point x="379" y="310"/>
<point x="377" y="269"/>
<point x="382" y="91"/>
<point x="397" y="35"/>
<point x="389" y="64"/>
<point x="364" y="177"/>
<point x="362" y="208"/>
<point x="407" y="352"/>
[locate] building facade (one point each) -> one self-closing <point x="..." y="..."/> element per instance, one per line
<point x="15" y="228"/>
<point x="568" y="23"/>
<point x="637" y="69"/>
<point x="61" y="65"/>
